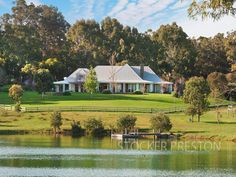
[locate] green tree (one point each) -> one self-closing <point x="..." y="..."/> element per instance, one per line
<point x="211" y="56"/>
<point x="43" y="81"/>
<point x="55" y="67"/>
<point x="218" y="84"/>
<point x="160" y="123"/>
<point x="91" y="82"/>
<point x="179" y="57"/>
<point x="126" y="122"/>
<point x="211" y="8"/>
<point x="192" y="111"/>
<point x="196" y="94"/>
<point x="94" y="127"/>
<point x="16" y="93"/>
<point x="56" y="121"/>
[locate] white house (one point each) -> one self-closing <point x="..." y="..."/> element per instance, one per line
<point x="117" y="79"/>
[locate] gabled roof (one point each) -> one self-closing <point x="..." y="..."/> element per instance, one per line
<point x="78" y="76"/>
<point x="119" y="74"/>
<point x="149" y="75"/>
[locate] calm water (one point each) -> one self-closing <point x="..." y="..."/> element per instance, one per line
<point x="65" y="157"/>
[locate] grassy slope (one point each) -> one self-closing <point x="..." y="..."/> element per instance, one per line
<point x="116" y="100"/>
<point x="208" y="128"/>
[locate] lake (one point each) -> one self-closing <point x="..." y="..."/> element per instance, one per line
<point x="31" y="155"/>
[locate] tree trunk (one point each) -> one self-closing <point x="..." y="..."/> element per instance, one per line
<point x="198" y="116"/>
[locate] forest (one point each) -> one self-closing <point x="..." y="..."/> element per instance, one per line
<point x="37" y="42"/>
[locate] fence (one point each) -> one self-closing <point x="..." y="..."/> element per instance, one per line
<point x="102" y="109"/>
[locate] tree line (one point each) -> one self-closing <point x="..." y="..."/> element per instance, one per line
<point x="38" y="44"/>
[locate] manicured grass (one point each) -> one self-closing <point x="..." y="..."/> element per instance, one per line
<point x="83" y="99"/>
<point x="207" y="128"/>
<point x="112" y="100"/>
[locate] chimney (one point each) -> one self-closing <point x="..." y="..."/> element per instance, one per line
<point x="142" y="70"/>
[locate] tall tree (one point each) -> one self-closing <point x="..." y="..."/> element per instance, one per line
<point x="91" y="82"/>
<point x="211" y="8"/>
<point x="196" y="94"/>
<point x="211" y="56"/>
<point x="218" y="84"/>
<point x="179" y="51"/>
<point x="87" y="42"/>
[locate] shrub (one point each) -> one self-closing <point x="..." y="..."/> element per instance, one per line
<point x="138" y="92"/>
<point x="94" y="127"/>
<point x="126" y="122"/>
<point x="106" y="91"/>
<point x="56" y="121"/>
<point x="17" y="107"/>
<point x="67" y="93"/>
<point x="160" y="122"/>
<point x="76" y="129"/>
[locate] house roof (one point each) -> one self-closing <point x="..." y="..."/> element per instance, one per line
<point x="117" y="74"/>
<point x="78" y="76"/>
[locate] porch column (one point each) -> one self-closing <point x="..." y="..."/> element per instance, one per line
<point x="63" y="88"/>
<point x="137" y="87"/>
<point x="124" y="88"/>
<point x="170" y="88"/>
<point x="151" y="88"/>
<point x="161" y="86"/>
<point x="110" y="87"/>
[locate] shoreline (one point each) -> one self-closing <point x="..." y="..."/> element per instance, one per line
<point x="184" y="137"/>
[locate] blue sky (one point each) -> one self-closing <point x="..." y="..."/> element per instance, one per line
<point x="143" y="14"/>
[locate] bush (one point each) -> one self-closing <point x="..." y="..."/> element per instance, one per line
<point x="160" y="123"/>
<point x="138" y="92"/>
<point x="67" y="93"/>
<point x="56" y="121"/>
<point x="126" y="122"/>
<point x="17" y="107"/>
<point x="76" y="129"/>
<point x="94" y="127"/>
<point x="106" y="91"/>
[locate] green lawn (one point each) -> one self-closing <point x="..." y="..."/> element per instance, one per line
<point x="207" y="128"/>
<point x="113" y="100"/>
<point x="83" y="99"/>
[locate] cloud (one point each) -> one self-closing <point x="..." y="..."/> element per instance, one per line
<point x="118" y="7"/>
<point x="35" y="2"/>
<point x="82" y="9"/>
<point x="134" y="12"/>
<point x="208" y="27"/>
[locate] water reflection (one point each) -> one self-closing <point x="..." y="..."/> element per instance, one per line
<point x="64" y="156"/>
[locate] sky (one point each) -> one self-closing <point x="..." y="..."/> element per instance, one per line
<point x="143" y="14"/>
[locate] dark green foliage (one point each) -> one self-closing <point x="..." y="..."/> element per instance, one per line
<point x="43" y="81"/>
<point x="160" y="123"/>
<point x="196" y="94"/>
<point x="106" y="91"/>
<point x="218" y="84"/>
<point x="76" y="129"/>
<point x="67" y="93"/>
<point x="94" y="127"/>
<point x="126" y="122"/>
<point x="211" y="8"/>
<point x="56" y="121"/>
<point x="138" y="92"/>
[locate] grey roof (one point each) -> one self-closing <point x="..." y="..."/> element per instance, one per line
<point x="149" y="75"/>
<point x="78" y="76"/>
<point x="117" y="74"/>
